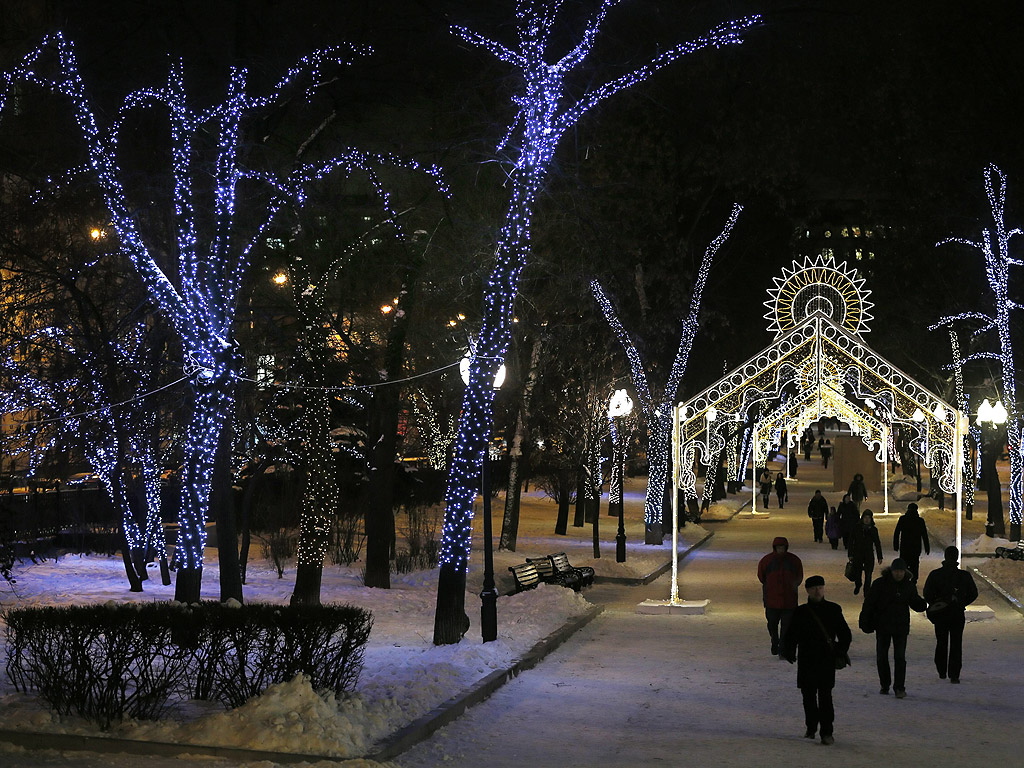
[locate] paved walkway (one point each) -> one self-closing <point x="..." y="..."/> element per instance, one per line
<point x="703" y="690"/>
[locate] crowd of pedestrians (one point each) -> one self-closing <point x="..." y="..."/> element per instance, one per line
<point x="814" y="634"/>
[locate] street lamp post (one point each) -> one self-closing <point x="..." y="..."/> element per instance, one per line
<point x="619" y="407"/>
<point x="990" y="419"/>
<point x="488" y="595"/>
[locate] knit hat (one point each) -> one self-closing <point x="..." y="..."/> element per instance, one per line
<point x="814" y="581"/>
<point x="899" y="564"/>
<point x="951" y="554"/>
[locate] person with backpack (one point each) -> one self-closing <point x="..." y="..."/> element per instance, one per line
<point x="948" y="590"/>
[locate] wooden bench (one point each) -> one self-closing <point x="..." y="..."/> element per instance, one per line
<point x="549" y="575"/>
<point x="585" y="574"/>
<point x="526" y="576"/>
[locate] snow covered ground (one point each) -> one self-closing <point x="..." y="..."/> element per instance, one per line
<point x="626" y="690"/>
<point x="405" y="675"/>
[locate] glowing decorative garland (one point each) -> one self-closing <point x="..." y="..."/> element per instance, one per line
<point x="817" y="368"/>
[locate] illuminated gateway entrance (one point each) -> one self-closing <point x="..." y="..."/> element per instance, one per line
<point x="817" y="366"/>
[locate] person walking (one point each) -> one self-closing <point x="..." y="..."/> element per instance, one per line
<point x="817" y="509"/>
<point x="858" y="491"/>
<point x="910" y="535"/>
<point x="863" y="540"/>
<point x="780" y="573"/>
<point x="807" y="441"/>
<point x="886" y="611"/>
<point x="832" y="529"/>
<point x="826" y="452"/>
<point x="948" y="590"/>
<point x="793" y="464"/>
<point x="817" y="636"/>
<point x="849" y="519"/>
<point x="781" y="491"/>
<point x="766" y="487"/>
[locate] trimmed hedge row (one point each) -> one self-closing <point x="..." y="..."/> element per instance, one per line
<point x="106" y="662"/>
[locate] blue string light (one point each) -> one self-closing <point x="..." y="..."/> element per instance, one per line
<point x="544" y="113"/>
<point x="995" y="247"/>
<point x="212" y="260"/>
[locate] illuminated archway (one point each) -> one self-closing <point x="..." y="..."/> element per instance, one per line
<point x="818" y="365"/>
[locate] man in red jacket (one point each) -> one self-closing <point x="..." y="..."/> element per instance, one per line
<point x="780" y="573"/>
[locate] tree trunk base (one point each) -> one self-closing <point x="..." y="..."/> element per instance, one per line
<point x="450" y="619"/>
<point x="653" y="534"/>
<point x="307" y="584"/>
<point x="187" y="585"/>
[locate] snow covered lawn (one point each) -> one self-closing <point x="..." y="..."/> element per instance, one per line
<point x="404" y="676"/>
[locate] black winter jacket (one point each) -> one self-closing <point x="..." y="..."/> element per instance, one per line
<point x="910" y="534"/>
<point x="805" y="642"/>
<point x="888" y="603"/>
<point x="946" y="581"/>
<point x="864" y="539"/>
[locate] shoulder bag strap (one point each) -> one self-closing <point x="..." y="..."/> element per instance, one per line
<point x="831" y="645"/>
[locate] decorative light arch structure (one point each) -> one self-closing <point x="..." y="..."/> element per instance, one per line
<point x="818" y="365"/>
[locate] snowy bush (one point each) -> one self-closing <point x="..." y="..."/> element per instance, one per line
<point x="107" y="662"/>
<point x="103" y="662"/>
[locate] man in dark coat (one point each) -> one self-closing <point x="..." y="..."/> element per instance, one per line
<point x="780" y="573"/>
<point x="910" y="535"/>
<point x="886" y="611"/>
<point x="849" y="519"/>
<point x="956" y="588"/>
<point x="817" y="509"/>
<point x="816" y="635"/>
<point x="864" y="544"/>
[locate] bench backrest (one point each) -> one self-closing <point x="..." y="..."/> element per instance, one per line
<point x="526" y="575"/>
<point x="544" y="566"/>
<point x="561" y="563"/>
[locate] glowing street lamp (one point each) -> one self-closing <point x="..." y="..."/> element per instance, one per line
<point x="620" y="406"/>
<point x="281" y="278"/>
<point x="990" y="419"/>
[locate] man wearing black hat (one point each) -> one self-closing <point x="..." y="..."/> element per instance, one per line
<point x="910" y="536"/>
<point x="817" y="635"/>
<point x="948" y="591"/>
<point x="886" y="612"/>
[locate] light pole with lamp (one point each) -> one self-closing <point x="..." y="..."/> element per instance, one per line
<point x="990" y="419"/>
<point x="620" y="406"/>
<point x="488" y="595"/>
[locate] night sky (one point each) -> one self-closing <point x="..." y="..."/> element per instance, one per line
<point x="872" y="113"/>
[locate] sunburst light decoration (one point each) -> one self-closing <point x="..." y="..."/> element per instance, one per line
<point x="818" y="285"/>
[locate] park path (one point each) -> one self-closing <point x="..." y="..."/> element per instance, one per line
<point x="631" y="689"/>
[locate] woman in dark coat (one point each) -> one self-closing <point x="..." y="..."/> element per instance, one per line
<point x="780" y="489"/>
<point x="805" y="641"/>
<point x="864" y="539"/>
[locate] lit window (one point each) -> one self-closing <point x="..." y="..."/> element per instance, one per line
<point x="845" y="232"/>
<point x="868" y="233"/>
<point x="856" y="231"/>
<point x="828" y="233"/>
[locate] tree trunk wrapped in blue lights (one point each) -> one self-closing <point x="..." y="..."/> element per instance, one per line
<point x="545" y="112"/>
